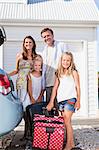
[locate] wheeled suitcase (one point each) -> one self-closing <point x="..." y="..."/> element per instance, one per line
<point x="31" y="110"/>
<point x="48" y="132"/>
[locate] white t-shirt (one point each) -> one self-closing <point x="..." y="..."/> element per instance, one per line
<point x="51" y="56"/>
<point x="66" y="89"/>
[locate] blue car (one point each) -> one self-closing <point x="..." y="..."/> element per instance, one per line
<point x="11" y="110"/>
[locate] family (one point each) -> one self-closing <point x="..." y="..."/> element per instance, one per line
<point x="54" y="73"/>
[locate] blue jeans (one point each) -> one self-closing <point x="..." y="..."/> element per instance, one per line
<point x="67" y="105"/>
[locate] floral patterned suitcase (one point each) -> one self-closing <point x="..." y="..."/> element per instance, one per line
<point x="48" y="132"/>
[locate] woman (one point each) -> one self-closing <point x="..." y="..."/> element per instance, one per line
<point x="24" y="65"/>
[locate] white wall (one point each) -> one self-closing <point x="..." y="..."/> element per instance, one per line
<point x="82" y="45"/>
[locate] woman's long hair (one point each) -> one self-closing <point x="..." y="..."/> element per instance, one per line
<point x="60" y="70"/>
<point x="24" y="54"/>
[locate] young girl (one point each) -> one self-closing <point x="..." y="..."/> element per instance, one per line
<point x="35" y="81"/>
<point x="67" y="89"/>
<point x="35" y="90"/>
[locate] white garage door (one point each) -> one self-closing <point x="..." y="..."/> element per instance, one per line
<point x="10" y="51"/>
<point x="9" y="60"/>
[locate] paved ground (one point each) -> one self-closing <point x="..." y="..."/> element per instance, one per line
<point x="86" y="133"/>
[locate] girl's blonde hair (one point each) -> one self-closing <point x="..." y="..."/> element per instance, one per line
<point x="39" y="58"/>
<point x="60" y="70"/>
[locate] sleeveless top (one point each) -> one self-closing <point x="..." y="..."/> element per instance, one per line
<point x="36" y="86"/>
<point x="66" y="89"/>
<point x="24" y="67"/>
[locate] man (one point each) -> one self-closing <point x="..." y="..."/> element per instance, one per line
<point x="51" y="55"/>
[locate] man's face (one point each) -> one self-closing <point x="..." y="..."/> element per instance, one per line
<point x="48" y="38"/>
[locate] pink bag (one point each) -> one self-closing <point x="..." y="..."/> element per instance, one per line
<point x="48" y="132"/>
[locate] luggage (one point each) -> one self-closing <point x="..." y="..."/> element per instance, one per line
<point x="31" y="110"/>
<point x="48" y="132"/>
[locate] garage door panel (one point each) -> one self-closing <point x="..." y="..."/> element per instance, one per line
<point x="10" y="51"/>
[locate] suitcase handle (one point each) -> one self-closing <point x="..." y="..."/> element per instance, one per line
<point x="49" y="113"/>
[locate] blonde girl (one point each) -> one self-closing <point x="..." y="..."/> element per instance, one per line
<point x="35" y="81"/>
<point x="67" y="90"/>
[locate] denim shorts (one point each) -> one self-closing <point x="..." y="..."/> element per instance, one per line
<point x="67" y="105"/>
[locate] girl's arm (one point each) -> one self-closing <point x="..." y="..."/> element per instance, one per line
<point x="77" y="86"/>
<point x="14" y="72"/>
<point x="40" y="96"/>
<point x="30" y="89"/>
<point x="43" y="89"/>
<point x="53" y="95"/>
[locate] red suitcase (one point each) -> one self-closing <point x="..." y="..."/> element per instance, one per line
<point x="48" y="132"/>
